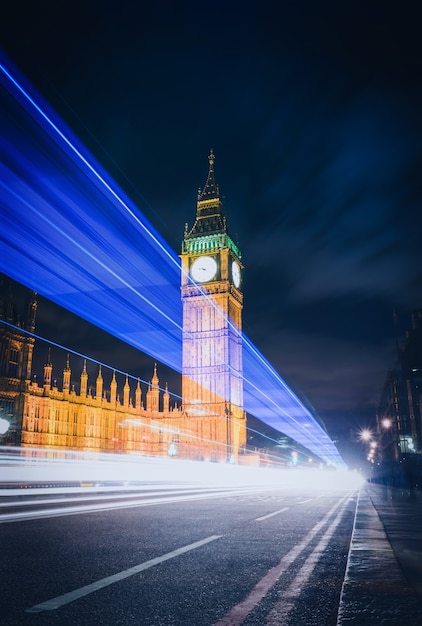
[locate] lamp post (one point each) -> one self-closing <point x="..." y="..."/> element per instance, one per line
<point x="4" y="426"/>
<point x="387" y="437"/>
<point x="172" y="450"/>
<point x="366" y="435"/>
<point x="389" y="451"/>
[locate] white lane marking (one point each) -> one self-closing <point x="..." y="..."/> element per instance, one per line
<point x="147" y="493"/>
<point x="240" y="611"/>
<point x="282" y="608"/>
<point x="93" y="508"/>
<point x="55" y="603"/>
<point x="303" y="501"/>
<point x="260" y="519"/>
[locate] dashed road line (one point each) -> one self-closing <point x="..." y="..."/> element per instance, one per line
<point x="260" y="519"/>
<point x="55" y="603"/>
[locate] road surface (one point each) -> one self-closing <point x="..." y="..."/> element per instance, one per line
<point x="176" y="554"/>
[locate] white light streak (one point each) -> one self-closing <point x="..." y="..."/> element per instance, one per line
<point x="97" y="256"/>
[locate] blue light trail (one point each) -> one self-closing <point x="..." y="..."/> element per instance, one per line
<point x="68" y="232"/>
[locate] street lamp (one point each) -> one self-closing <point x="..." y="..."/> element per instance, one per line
<point x="4" y="426"/>
<point x="389" y="440"/>
<point x="172" y="450"/>
<point x="365" y="434"/>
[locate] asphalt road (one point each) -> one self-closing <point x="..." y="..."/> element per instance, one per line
<point x="269" y="556"/>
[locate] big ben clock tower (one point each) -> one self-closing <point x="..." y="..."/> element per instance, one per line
<point x="212" y="373"/>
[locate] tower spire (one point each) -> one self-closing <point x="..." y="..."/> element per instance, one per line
<point x="211" y="189"/>
<point x="48" y="368"/>
<point x="66" y="375"/>
<point x="210" y="217"/>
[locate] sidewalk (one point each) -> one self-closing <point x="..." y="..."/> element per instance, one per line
<point x="383" y="582"/>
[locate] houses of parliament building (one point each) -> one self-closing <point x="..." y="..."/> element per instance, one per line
<point x="77" y="414"/>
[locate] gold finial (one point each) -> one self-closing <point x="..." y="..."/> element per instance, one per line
<point x="211" y="157"/>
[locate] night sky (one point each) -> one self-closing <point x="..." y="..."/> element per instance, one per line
<point x="313" y="110"/>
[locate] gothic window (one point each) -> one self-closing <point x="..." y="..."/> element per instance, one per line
<point x="14" y="364"/>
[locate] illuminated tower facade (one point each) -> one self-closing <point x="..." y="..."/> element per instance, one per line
<point x="211" y="287"/>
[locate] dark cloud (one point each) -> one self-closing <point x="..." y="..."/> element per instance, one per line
<point x="334" y="373"/>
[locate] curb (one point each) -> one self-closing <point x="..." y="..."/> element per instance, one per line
<point x="374" y="589"/>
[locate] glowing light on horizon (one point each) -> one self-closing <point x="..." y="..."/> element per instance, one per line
<point x="71" y="234"/>
<point x="23" y="465"/>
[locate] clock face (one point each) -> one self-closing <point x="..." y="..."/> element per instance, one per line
<point x="203" y="269"/>
<point x="236" y="274"/>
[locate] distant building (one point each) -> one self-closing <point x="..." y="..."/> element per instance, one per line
<point x="210" y="424"/>
<point x="399" y="413"/>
